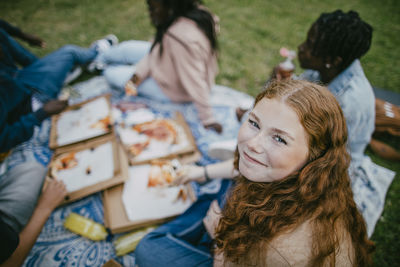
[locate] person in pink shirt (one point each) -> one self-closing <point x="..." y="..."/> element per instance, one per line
<point x="179" y="65"/>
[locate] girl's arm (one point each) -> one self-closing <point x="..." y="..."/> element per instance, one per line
<point x="205" y="173"/>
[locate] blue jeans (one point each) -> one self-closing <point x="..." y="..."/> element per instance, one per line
<point x="47" y="74"/>
<point x="183" y="241"/>
<point x="120" y="63"/>
<point x="13" y="51"/>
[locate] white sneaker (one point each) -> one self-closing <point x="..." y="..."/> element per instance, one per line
<point x="222" y="150"/>
<point x="96" y="66"/>
<point x="105" y="43"/>
<point x="101" y="45"/>
<point x="112" y="39"/>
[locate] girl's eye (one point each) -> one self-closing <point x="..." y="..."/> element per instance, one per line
<point x="254" y="124"/>
<point x="280" y="139"/>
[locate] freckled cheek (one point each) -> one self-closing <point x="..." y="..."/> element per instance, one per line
<point x="290" y="162"/>
<point x="277" y="157"/>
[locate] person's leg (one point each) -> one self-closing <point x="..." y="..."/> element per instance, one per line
<point x="47" y="74"/>
<point x="16" y="51"/>
<point x="149" y="88"/>
<point x="125" y="53"/>
<point x="174" y="243"/>
<point x="20" y="188"/>
<point x="118" y="76"/>
<point x="183" y="241"/>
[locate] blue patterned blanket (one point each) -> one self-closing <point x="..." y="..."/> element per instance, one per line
<point x="57" y="246"/>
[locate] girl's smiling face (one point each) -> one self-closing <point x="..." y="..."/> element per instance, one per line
<point x="273" y="143"/>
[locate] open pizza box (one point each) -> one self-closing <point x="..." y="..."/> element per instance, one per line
<point x="87" y="120"/>
<point x="161" y="138"/>
<point x="147" y="205"/>
<point x="89" y="166"/>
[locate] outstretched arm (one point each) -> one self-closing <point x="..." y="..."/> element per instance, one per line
<point x="196" y="173"/>
<point x="31" y="39"/>
<point x="51" y="197"/>
<point x="20" y="129"/>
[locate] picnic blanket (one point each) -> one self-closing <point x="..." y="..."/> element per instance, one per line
<point x="57" y="246"/>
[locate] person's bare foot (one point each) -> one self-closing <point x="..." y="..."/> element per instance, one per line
<point x="239" y="113"/>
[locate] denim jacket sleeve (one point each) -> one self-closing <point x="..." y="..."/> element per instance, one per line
<point x="356" y="98"/>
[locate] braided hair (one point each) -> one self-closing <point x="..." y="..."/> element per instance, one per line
<point x="342" y="35"/>
<point x="189" y="9"/>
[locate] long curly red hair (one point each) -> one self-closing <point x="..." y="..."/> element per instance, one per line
<point x="320" y="191"/>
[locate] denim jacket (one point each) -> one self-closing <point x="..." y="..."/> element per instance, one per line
<point x="357" y="100"/>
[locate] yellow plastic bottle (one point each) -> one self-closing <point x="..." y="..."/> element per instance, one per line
<point x="85" y="227"/>
<point x="127" y="243"/>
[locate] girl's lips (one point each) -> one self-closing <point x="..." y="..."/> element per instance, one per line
<point x="253" y="160"/>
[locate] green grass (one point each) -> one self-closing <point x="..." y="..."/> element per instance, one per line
<point x="252" y="31"/>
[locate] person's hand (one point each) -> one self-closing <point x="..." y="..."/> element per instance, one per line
<point x="33" y="40"/>
<point x="52" y="195"/>
<point x="136" y="79"/>
<point x="239" y="113"/>
<point x="55" y="106"/>
<point x="189" y="173"/>
<point x="279" y="74"/>
<point x="212" y="218"/>
<point x="131" y="85"/>
<point x="276" y="73"/>
<point x="215" y="126"/>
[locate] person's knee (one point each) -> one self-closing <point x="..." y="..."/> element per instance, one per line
<point x="20" y="191"/>
<point x="142" y="251"/>
<point x="69" y="48"/>
<point x="148" y="247"/>
<point x="118" y="76"/>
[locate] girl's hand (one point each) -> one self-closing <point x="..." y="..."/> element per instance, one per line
<point x="189" y="173"/>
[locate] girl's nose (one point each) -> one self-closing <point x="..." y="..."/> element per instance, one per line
<point x="255" y="143"/>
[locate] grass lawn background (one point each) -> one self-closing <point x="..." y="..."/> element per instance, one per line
<point x="252" y="32"/>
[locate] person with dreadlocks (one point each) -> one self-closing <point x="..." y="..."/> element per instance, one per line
<point x="290" y="203"/>
<point x="332" y="51"/>
<point x="180" y="64"/>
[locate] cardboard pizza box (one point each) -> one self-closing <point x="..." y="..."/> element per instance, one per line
<point x="81" y="122"/>
<point x="189" y="149"/>
<point x="90" y="175"/>
<point x="111" y="263"/>
<point x="115" y="215"/>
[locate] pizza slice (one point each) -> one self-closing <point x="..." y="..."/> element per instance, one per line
<point x="67" y="161"/>
<point x="162" y="130"/>
<point x="137" y="148"/>
<point x="162" y="173"/>
<point x="104" y="124"/>
<point x="64" y="162"/>
<point x="130" y="89"/>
